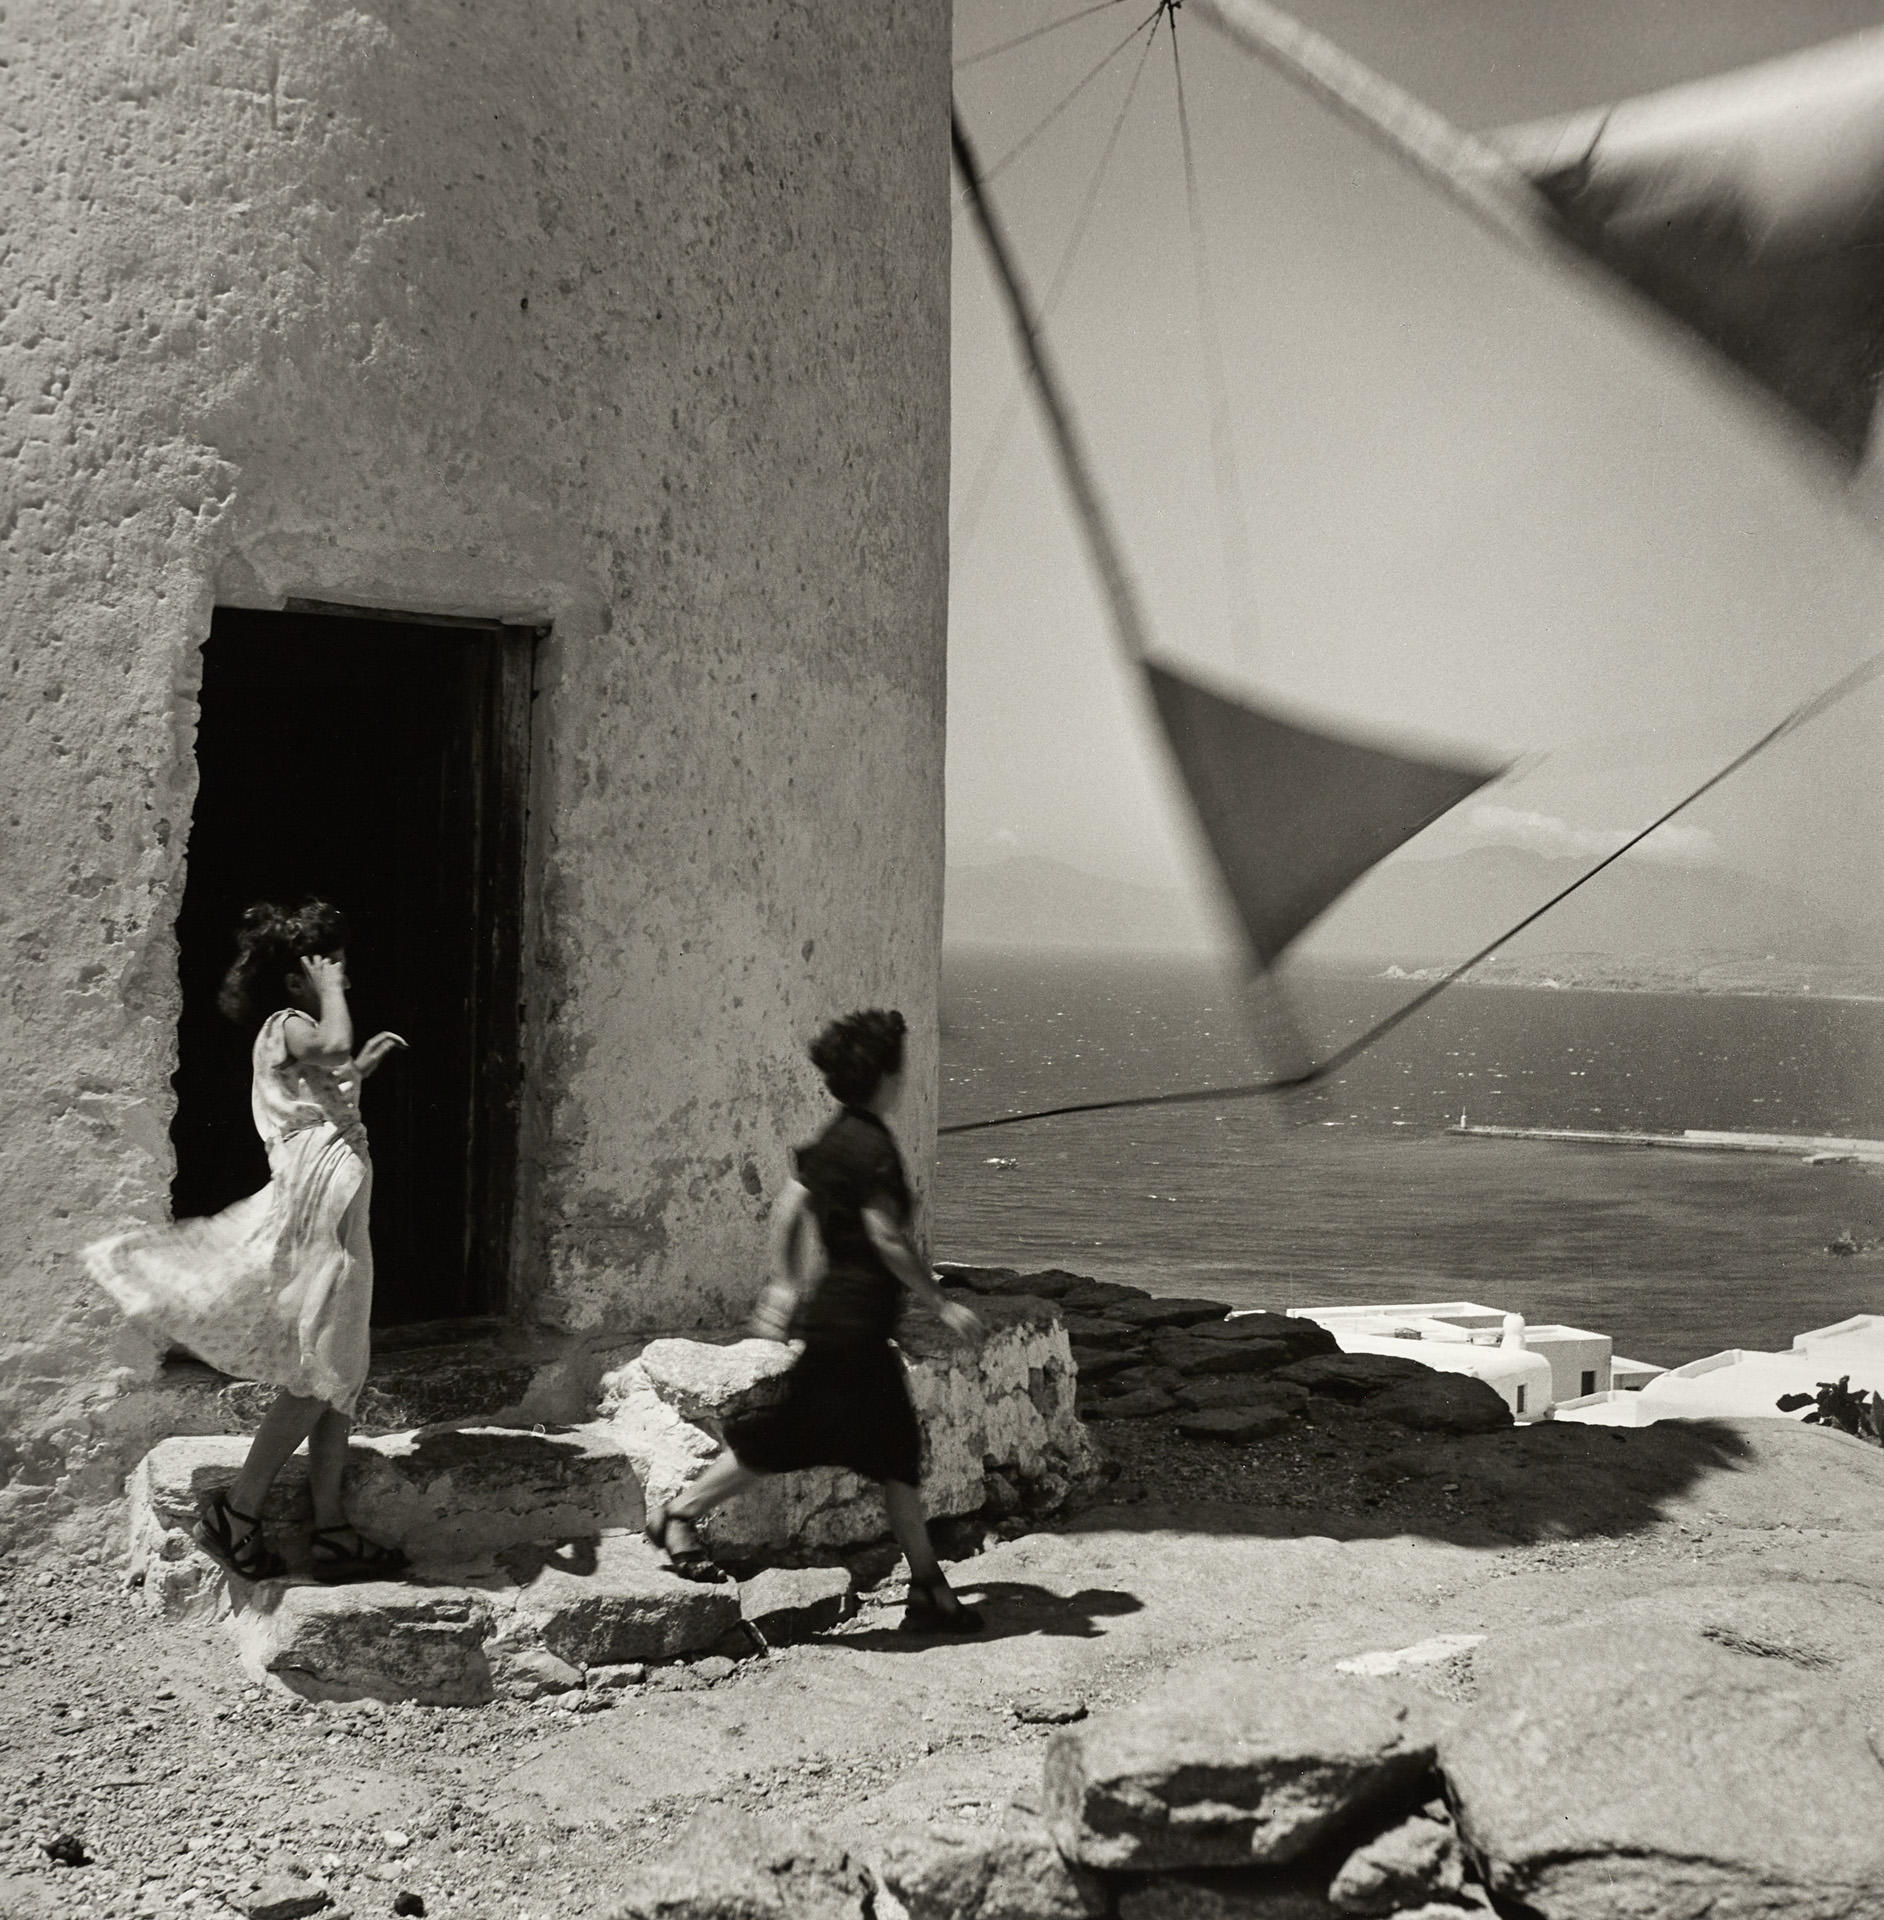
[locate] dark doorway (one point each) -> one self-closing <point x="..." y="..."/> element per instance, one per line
<point x="380" y="763"/>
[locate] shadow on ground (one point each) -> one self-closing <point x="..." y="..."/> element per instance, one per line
<point x="1524" y="1485"/>
<point x="1014" y="1609"/>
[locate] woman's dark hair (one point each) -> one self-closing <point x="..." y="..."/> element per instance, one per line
<point x="271" y="941"/>
<point x="859" y="1052"/>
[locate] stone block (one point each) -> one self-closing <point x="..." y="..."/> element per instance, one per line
<point x="447" y="1495"/>
<point x="1166" y="1312"/>
<point x="1192" y="1354"/>
<point x="1417" y="1861"/>
<point x="1053" y="1283"/>
<point x="1237" y="1766"/>
<point x="1256" y="1422"/>
<point x="530" y="1673"/>
<point x="791" y="1603"/>
<point x="1095" y="1296"/>
<point x="1301" y="1336"/>
<point x="378" y="1640"/>
<point x="1014" y="1872"/>
<point x="952" y="1273"/>
<point x="1442" y="1403"/>
<point x="608" y="1601"/>
<point x="1352" y="1376"/>
<point x="458" y="1493"/>
<point x="1095" y="1330"/>
<point x="704" y="1382"/>
<point x="730" y="1866"/>
<point x="1628" y="1765"/>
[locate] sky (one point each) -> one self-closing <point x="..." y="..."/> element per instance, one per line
<point x="1484" y="509"/>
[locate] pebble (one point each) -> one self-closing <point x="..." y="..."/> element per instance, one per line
<point x="1057" y="1711"/>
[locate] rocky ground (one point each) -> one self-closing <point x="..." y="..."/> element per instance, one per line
<point x="177" y="1786"/>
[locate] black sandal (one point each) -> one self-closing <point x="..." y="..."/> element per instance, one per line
<point x="690" y="1562"/>
<point x="336" y="1564"/>
<point x="926" y="1614"/>
<point x="250" y="1558"/>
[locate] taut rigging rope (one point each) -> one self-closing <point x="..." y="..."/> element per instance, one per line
<point x="1232" y="520"/>
<point x="1021" y="39"/>
<point x="1066" y="100"/>
<point x="975" y="494"/>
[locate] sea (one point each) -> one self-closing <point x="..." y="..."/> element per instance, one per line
<point x="1362" y="1188"/>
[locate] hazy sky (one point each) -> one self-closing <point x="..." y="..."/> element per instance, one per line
<point x="1483" y="508"/>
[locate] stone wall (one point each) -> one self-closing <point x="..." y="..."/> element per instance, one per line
<point x="629" y="322"/>
<point x="999" y="1429"/>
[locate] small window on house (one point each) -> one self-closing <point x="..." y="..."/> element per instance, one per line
<point x="1589" y="1383"/>
<point x="1520" y="1399"/>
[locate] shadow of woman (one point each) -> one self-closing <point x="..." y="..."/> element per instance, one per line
<point x="1012" y="1609"/>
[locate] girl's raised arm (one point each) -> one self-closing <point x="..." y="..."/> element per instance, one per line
<point x="327" y="1041"/>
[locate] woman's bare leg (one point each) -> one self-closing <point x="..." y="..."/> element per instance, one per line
<point x="724" y="1478"/>
<point x="929" y="1591"/>
<point x="283" y="1427"/>
<point x="911" y="1528"/>
<point x="326" y="1463"/>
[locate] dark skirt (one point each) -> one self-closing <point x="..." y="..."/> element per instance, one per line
<point x="845" y="1405"/>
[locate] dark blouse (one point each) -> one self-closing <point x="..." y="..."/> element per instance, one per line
<point x="851" y="1165"/>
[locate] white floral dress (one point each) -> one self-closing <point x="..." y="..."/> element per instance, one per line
<point x="278" y="1287"/>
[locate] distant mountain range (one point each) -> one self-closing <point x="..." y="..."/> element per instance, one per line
<point x="1416" y="912"/>
<point x="1030" y="902"/>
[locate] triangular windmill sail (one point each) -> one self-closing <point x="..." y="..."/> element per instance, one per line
<point x="1745" y="212"/>
<point x="1752" y="207"/>
<point x="1294" y="816"/>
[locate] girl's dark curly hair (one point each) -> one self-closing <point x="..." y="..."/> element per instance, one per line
<point x="271" y="941"/>
<point x="859" y="1052"/>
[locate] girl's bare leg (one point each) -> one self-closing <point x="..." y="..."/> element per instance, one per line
<point x="326" y="1462"/>
<point x="724" y="1478"/>
<point x="283" y="1427"/>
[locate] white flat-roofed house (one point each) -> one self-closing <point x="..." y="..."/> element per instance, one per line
<point x="1747" y="1382"/>
<point x="1453" y="1336"/>
<point x="1579" y="1360"/>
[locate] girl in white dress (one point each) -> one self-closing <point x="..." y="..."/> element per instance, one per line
<point x="279" y="1287"/>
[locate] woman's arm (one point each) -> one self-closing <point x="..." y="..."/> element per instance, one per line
<point x="892" y="1242"/>
<point x="328" y="1041"/>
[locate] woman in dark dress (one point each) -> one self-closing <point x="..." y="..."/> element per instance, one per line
<point x="845" y="1403"/>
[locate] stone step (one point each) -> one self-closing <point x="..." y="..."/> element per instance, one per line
<point x="453" y="1495"/>
<point x="534" y="1624"/>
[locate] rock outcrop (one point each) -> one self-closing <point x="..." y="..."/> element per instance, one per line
<point x="731" y="1866"/>
<point x="1630" y="1764"/>
<point x="1236" y="1766"/>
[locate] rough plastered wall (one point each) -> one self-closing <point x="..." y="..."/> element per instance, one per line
<point x="619" y="316"/>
